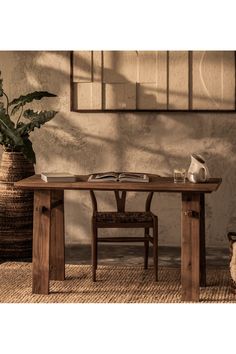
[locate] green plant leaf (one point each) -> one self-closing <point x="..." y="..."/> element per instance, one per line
<point x="17" y="137"/>
<point x="22" y="100"/>
<point x="43" y="116"/>
<point x="15" y="109"/>
<point x="7" y="129"/>
<point x="37" y="119"/>
<point x="1" y="88"/>
<point x="1" y="138"/>
<point x="27" y="150"/>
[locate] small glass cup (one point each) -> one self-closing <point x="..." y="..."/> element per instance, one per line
<point x="179" y="175"/>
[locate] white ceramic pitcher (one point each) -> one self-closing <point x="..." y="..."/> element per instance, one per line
<point x="198" y="171"/>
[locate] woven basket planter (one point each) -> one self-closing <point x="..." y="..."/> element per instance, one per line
<point x="232" y="265"/>
<point x="16" y="207"/>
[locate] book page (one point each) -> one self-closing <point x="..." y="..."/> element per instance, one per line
<point x="131" y="175"/>
<point x="106" y="175"/>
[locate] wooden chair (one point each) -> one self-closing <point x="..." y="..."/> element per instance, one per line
<point x="123" y="219"/>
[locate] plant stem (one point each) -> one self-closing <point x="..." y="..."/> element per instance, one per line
<point x="7" y="100"/>
<point x="19" y="116"/>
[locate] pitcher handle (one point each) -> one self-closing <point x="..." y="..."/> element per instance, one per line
<point x="205" y="173"/>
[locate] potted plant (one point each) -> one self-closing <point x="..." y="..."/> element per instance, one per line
<point x="18" y="159"/>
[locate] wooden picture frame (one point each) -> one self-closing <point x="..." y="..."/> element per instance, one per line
<point x="158" y="81"/>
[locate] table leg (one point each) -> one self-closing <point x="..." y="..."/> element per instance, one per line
<point x="202" y="242"/>
<point x="190" y="246"/>
<point x="41" y="241"/>
<point x="57" y="241"/>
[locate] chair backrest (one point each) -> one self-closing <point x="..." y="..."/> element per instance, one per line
<point x="120" y="201"/>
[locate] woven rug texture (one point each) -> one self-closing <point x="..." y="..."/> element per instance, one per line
<point x="115" y="284"/>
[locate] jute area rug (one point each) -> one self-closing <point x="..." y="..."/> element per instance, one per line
<point x="116" y="284"/>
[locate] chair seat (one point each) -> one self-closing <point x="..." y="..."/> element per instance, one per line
<point x="123" y="217"/>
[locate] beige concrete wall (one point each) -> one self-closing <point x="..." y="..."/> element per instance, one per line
<point x="156" y="143"/>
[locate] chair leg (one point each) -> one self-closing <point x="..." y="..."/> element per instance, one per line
<point x="146" y="247"/>
<point x="94" y="251"/>
<point x="155" y="246"/>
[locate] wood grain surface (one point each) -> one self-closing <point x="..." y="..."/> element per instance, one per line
<point x="190" y="247"/>
<point x="41" y="241"/>
<point x="156" y="183"/>
<point x="57" y="240"/>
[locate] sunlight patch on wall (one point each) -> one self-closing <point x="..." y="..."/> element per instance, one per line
<point x="33" y="80"/>
<point x="52" y="59"/>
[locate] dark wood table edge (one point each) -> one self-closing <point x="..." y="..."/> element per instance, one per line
<point x="35" y="182"/>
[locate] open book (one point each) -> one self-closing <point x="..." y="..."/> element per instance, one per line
<point x="119" y="177"/>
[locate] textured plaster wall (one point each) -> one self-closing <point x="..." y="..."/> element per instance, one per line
<point x="156" y="143"/>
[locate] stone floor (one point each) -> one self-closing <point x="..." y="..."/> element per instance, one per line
<point x="130" y="254"/>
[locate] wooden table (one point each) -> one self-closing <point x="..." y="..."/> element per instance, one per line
<point x="49" y="236"/>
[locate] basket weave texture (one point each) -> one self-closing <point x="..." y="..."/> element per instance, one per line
<point x="233" y="263"/>
<point x="16" y="207"/>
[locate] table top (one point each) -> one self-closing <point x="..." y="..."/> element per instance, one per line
<point x="156" y="184"/>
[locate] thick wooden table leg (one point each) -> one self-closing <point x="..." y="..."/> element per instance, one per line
<point x="57" y="242"/>
<point x="202" y="242"/>
<point x="41" y="241"/>
<point x="190" y="246"/>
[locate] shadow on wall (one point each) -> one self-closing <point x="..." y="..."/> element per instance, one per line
<point x="160" y="142"/>
<point x="158" y="151"/>
<point x="145" y="142"/>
